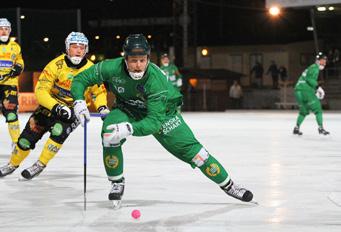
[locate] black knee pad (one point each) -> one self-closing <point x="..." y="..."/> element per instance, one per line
<point x="60" y="131"/>
<point x="11" y="116"/>
<point x="25" y="143"/>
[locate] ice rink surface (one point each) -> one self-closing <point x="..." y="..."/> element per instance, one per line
<point x="296" y="180"/>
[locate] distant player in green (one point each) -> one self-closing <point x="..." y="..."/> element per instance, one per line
<point x="146" y="104"/>
<point x="171" y="71"/>
<point x="308" y="94"/>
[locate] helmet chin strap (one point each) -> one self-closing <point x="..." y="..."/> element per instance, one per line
<point x="75" y="59"/>
<point x="4" y="38"/>
<point x="136" y="75"/>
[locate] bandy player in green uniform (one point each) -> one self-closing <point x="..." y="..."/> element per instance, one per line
<point x="308" y="94"/>
<point x="171" y="71"/>
<point x="146" y="105"/>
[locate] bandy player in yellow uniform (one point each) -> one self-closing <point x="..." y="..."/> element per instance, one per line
<point x="11" y="65"/>
<point x="55" y="112"/>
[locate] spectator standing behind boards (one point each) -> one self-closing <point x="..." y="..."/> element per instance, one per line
<point x="273" y="71"/>
<point x="258" y="71"/>
<point x="236" y="94"/>
<point x="283" y="73"/>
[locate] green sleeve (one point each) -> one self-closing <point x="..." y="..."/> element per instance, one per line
<point x="156" y="105"/>
<point x="88" y="77"/>
<point x="312" y="76"/>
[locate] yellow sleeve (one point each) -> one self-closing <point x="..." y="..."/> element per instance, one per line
<point x="19" y="59"/>
<point x="44" y="85"/>
<point x="100" y="95"/>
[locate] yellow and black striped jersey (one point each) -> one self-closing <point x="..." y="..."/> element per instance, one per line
<point x="10" y="54"/>
<point x="55" y="81"/>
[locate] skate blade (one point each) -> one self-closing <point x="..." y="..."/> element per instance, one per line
<point x="116" y="204"/>
<point x="254" y="202"/>
<point x="22" y="179"/>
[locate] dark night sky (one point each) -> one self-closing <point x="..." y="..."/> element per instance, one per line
<point x="218" y="22"/>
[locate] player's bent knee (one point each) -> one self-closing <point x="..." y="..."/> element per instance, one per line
<point x="107" y="143"/>
<point x="200" y="158"/>
<point x="59" y="133"/>
<point x="317" y="111"/>
<point x="304" y="113"/>
<point x="24" y="144"/>
<point x="11" y="117"/>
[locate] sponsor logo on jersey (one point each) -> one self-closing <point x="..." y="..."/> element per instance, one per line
<point x="140" y="88"/>
<point x="170" y="125"/>
<point x="6" y="64"/>
<point x="119" y="89"/>
<point x="59" y="64"/>
<point x="60" y="92"/>
<point x="138" y="103"/>
<point x="118" y="80"/>
<point x="65" y="83"/>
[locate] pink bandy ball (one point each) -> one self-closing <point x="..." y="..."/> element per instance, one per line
<point x="136" y="213"/>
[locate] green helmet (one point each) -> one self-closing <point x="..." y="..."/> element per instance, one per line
<point x="164" y="55"/>
<point x="321" y="55"/>
<point x="136" y="45"/>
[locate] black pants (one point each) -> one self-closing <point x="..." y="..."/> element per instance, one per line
<point x="275" y="82"/>
<point x="9" y="102"/>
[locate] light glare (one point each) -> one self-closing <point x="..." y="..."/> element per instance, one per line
<point x="274" y="11"/>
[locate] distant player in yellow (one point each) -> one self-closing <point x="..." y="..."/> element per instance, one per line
<point x="55" y="112"/>
<point x="11" y="65"/>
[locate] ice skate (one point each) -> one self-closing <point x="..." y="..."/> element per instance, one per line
<point x="237" y="192"/>
<point x="297" y="131"/>
<point x="323" y="131"/>
<point x="116" y="193"/>
<point x="7" y="169"/>
<point x="32" y="171"/>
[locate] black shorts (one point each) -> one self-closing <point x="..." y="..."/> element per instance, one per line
<point x="42" y="121"/>
<point x="9" y="102"/>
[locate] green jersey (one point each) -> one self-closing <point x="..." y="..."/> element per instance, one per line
<point x="148" y="100"/>
<point x="173" y="75"/>
<point x="308" y="79"/>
